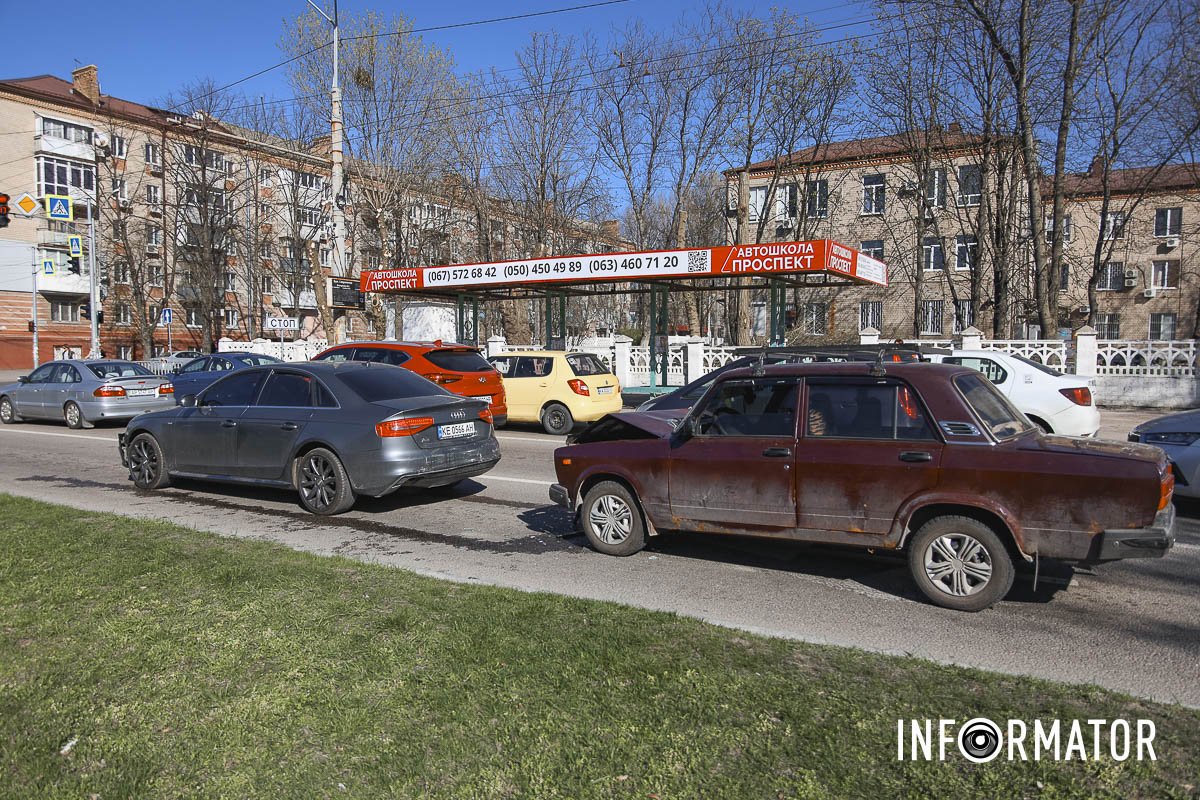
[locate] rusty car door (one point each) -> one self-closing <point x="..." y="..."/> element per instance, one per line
<point x="736" y="468"/>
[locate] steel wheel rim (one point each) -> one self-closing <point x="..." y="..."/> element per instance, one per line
<point x="143" y="462"/>
<point x="558" y="419"/>
<point x="611" y="519"/>
<point x="318" y="482"/>
<point x="958" y="564"/>
<point x="73" y="415"/>
<point x="6" y="411"/>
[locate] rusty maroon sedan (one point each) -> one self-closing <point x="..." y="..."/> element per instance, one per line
<point x="926" y="458"/>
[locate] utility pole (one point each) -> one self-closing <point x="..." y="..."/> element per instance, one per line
<point x="36" y="267"/>
<point x="93" y="295"/>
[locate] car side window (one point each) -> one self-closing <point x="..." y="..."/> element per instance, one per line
<point x="337" y="356"/>
<point x="865" y="411"/>
<point x="59" y="375"/>
<point x="236" y="390"/>
<point x="70" y="375"/>
<point x="523" y="368"/>
<point x="758" y="407"/>
<point x="324" y="397"/>
<point x="199" y="365"/>
<point x="220" y="364"/>
<point x="990" y="369"/>
<point x="288" y="389"/>
<point x="504" y="366"/>
<point x="381" y="355"/>
<point x="42" y="373"/>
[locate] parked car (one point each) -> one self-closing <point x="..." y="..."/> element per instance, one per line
<point x="1055" y="402"/>
<point x="459" y="368"/>
<point x="331" y="431"/>
<point x="556" y="388"/>
<point x="171" y="362"/>
<point x="82" y="392"/>
<point x="929" y="459"/>
<point x="1179" y="437"/>
<point x="197" y="374"/>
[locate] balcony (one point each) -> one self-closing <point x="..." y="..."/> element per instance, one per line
<point x="63" y="282"/>
<point x="44" y="145"/>
<point x="54" y="240"/>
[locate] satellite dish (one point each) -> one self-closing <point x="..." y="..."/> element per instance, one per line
<point x="101" y="139"/>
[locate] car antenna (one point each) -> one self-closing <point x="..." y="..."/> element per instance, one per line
<point x="760" y="367"/>
<point x="877" y="370"/>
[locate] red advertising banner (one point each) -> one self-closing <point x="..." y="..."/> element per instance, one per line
<point x="731" y="261"/>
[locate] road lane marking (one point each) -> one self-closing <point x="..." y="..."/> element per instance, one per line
<point x="105" y="439"/>
<point x="554" y="441"/>
<point x="486" y="478"/>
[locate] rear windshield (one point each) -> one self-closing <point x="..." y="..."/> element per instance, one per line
<point x="259" y="360"/>
<point x="993" y="408"/>
<point x="586" y="364"/>
<point x="459" y="360"/>
<point x="118" y="369"/>
<point x="387" y="383"/>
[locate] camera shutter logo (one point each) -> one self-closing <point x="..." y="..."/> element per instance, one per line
<point x="979" y="740"/>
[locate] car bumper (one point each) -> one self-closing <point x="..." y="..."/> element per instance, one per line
<point x="560" y="496"/>
<point x="125" y="407"/>
<point x="1076" y="421"/>
<point x="590" y="409"/>
<point x="1150" y="542"/>
<point x="395" y="466"/>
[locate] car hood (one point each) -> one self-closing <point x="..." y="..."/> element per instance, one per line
<point x="1183" y="422"/>
<point x="1049" y="443"/>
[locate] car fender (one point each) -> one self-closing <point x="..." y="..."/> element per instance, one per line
<point x="610" y="470"/>
<point x="904" y="515"/>
<point x="303" y="445"/>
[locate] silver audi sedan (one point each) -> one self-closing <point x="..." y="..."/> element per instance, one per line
<point x="329" y="430"/>
<point x="83" y="392"/>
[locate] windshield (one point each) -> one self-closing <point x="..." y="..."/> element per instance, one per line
<point x="1036" y="365"/>
<point x="259" y="360"/>
<point x="997" y="414"/>
<point x="119" y="369"/>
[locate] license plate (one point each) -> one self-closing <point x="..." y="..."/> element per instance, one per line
<point x="456" y="430"/>
<point x="141" y="392"/>
<point x="604" y="390"/>
<point x="484" y="397"/>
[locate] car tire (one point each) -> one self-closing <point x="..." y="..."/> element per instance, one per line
<point x="323" y="483"/>
<point x="612" y="520"/>
<point x="557" y="419"/>
<point x="1041" y="426"/>
<point x="971" y="584"/>
<point x="74" y="417"/>
<point x="147" y="465"/>
<point x="8" y="414"/>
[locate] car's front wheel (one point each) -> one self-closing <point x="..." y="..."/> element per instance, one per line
<point x="8" y="414"/>
<point x="147" y="467"/>
<point x="323" y="482"/>
<point x="960" y="563"/>
<point x="612" y="520"/>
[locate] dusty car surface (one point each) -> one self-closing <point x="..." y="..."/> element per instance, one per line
<point x="926" y="458"/>
<point x="1178" y="435"/>
<point x="82" y="392"/>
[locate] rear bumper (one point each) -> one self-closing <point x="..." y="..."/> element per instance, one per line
<point x="381" y="472"/>
<point x="1150" y="542"/>
<point x="124" y="408"/>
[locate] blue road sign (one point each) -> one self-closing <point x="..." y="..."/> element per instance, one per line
<point x="76" y="245"/>
<point x="166" y="317"/>
<point x="48" y="267"/>
<point x="58" y="206"/>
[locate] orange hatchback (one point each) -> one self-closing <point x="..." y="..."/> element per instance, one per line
<point x="457" y="368"/>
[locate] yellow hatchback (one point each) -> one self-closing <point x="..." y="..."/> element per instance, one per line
<point x="557" y="388"/>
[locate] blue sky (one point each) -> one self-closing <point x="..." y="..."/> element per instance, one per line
<point x="167" y="43"/>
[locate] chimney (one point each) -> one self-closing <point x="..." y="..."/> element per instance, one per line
<point x="85" y="81"/>
<point x="610" y="229"/>
<point x="1097" y="165"/>
<point x="955" y="127"/>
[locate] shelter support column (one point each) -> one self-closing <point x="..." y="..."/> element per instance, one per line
<point x="777" y="325"/>
<point x="468" y="319"/>
<point x="660" y="352"/>
<point x="556" y="321"/>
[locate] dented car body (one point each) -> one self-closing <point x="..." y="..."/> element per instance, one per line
<point x="927" y="458"/>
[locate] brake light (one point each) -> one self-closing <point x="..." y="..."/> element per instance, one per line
<point x="486" y="415"/>
<point x="166" y="388"/>
<point x="579" y="387"/>
<point x="1165" y="489"/>
<point x="109" y="391"/>
<point x="1080" y="396"/>
<point x="402" y="427"/>
<point x="442" y="380"/>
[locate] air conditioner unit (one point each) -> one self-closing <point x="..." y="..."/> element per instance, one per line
<point x="156" y="209"/>
<point x="1150" y="293"/>
<point x="1130" y="273"/>
<point x="1083" y="310"/>
<point x="1131" y="283"/>
<point x="908" y="188"/>
<point x="1171" y="242"/>
<point x="152" y="249"/>
<point x="125" y="203"/>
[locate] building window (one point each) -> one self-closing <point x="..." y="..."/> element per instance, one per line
<point x="1108" y="326"/>
<point x="120" y="189"/>
<point x="758" y="202"/>
<point x="935" y="188"/>
<point x="231" y="318"/>
<point x="154" y="236"/>
<point x="230" y="281"/>
<point x="966" y="253"/>
<point x="125" y="352"/>
<point x="817" y="193"/>
<point x="931" y="316"/>
<point x="57" y="176"/>
<point x="156" y="274"/>
<point x="970" y="185"/>
<point x="192" y="314"/>
<point x="153" y="194"/>
<point x="874" y="194"/>
<point x="118" y="146"/>
<point x="66" y="130"/>
<point x="1066" y="228"/>
<point x="121" y="272"/>
<point x="932" y="257"/>
<point x="1165" y="275"/>
<point x="265" y="176"/>
<point x="268" y="284"/>
<point x="308" y="180"/>
<point x="64" y="311"/>
<point x="153" y="154"/>
<point x="964" y="315"/>
<point x="308" y="216"/>
<point x="870" y="315"/>
<point x="1113" y="226"/>
<point x="873" y="248"/>
<point x="1168" y="221"/>
<point x="814" y="318"/>
<point x="373" y="258"/>
<point x="1112" y="277"/>
<point x="1064" y="276"/>
<point x="124" y="314"/>
<point x="1162" y="327"/>
<point x="326" y="255"/>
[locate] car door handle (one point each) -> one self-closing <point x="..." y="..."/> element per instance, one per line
<point x="916" y="455"/>
<point x="777" y="452"/>
<point x="229" y="423"/>
<point x="288" y="426"/>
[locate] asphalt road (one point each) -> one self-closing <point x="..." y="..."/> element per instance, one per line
<point x="1132" y="626"/>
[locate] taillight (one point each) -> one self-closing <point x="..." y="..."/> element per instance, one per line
<point x="109" y="391"/>
<point x="402" y="427"/>
<point x="579" y="387"/>
<point x="442" y="380"/>
<point x="1165" y="489"/>
<point x="486" y="415"/>
<point x="166" y="388"/>
<point x="1080" y="396"/>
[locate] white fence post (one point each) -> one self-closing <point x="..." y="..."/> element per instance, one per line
<point x="694" y="359"/>
<point x="972" y="339"/>
<point x="868" y="336"/>
<point x="495" y="345"/>
<point x="621" y="358"/>
<point x="1085" y="351"/>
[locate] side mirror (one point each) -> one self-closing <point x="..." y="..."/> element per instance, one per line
<point x="23" y="379"/>
<point x="685" y="429"/>
<point x="188" y="401"/>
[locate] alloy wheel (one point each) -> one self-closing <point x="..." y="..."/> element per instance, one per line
<point x="74" y="417"/>
<point x="318" y="481"/>
<point x="6" y="411"/>
<point x="611" y="519"/>
<point x="143" y="462"/>
<point x="958" y="564"/>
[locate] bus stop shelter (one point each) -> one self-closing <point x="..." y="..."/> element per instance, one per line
<point x="784" y="266"/>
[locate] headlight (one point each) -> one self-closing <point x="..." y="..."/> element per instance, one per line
<point x="1183" y="439"/>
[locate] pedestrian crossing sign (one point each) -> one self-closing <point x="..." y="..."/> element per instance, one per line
<point x="58" y="207"/>
<point x="76" y="245"/>
<point x="48" y="267"/>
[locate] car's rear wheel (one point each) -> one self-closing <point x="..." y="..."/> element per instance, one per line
<point x="612" y="520"/>
<point x="557" y="420"/>
<point x="323" y="483"/>
<point x="147" y="466"/>
<point x="960" y="563"/>
<point x="8" y="414"/>
<point x="74" y="417"/>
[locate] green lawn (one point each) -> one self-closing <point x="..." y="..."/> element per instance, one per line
<point x="186" y="665"/>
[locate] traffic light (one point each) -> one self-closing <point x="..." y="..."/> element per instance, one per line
<point x="3" y="211"/>
<point x="73" y="265"/>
